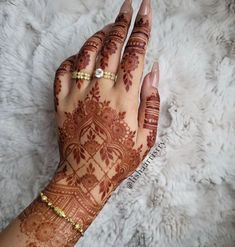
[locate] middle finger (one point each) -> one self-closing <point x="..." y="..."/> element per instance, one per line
<point x="110" y="54"/>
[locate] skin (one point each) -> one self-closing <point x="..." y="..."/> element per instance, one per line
<point x="105" y="129"/>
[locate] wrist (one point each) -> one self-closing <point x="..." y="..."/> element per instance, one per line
<point x="76" y="204"/>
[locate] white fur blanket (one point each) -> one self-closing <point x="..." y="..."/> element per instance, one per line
<point x="186" y="197"/>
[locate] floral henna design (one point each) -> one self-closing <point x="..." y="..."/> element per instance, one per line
<point x="129" y="64"/>
<point x="65" y="67"/>
<point x="95" y="132"/>
<point x="135" y="46"/>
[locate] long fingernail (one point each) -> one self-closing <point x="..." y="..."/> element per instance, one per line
<point x="155" y="74"/>
<point x="126" y="6"/>
<point x="145" y="7"/>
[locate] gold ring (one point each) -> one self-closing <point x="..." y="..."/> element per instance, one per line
<point x="99" y="73"/>
<point x="81" y="75"/>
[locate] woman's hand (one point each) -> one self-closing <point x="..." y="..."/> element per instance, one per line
<point x="105" y="128"/>
<point x="103" y="132"/>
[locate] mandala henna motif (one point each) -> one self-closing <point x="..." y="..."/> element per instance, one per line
<point x="136" y="46"/>
<point x="43" y="227"/>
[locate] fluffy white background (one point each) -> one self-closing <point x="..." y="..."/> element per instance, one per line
<point x="187" y="196"/>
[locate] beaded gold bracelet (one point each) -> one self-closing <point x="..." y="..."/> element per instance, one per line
<point x="58" y="211"/>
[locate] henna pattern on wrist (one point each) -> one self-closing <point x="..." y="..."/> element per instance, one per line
<point x="135" y="47"/>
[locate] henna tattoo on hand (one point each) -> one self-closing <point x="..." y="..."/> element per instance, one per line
<point x="95" y="133"/>
<point x="97" y="152"/>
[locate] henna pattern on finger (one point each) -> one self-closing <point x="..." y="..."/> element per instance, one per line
<point x="109" y="48"/>
<point x="151" y="111"/>
<point x="115" y="38"/>
<point x="129" y="64"/>
<point x="151" y="119"/>
<point x="65" y="68"/>
<point x="136" y="46"/>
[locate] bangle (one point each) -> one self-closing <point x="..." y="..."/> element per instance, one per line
<point x="58" y="211"/>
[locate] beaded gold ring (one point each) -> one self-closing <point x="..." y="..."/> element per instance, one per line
<point x="81" y="75"/>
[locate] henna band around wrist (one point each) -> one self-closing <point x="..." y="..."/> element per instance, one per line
<point x="59" y="212"/>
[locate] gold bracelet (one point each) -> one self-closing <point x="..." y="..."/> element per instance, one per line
<point x="61" y="214"/>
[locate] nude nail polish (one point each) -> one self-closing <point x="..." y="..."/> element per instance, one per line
<point x="155" y="74"/>
<point x="145" y="7"/>
<point x="126" y="6"/>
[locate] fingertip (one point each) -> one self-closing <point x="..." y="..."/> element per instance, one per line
<point x="145" y="7"/>
<point x="126" y="7"/>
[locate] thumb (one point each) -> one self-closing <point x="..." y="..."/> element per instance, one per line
<point x="149" y="110"/>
